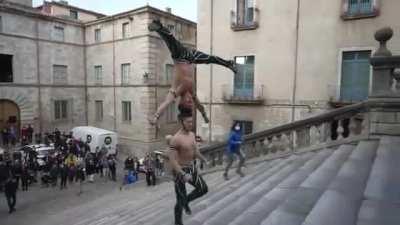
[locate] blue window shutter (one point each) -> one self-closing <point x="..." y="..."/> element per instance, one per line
<point x="355" y="76"/>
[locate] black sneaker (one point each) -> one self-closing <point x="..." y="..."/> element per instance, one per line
<point x="241" y="174"/>
<point x="188" y="211"/>
<point x="155" y="25"/>
<point x="226" y="176"/>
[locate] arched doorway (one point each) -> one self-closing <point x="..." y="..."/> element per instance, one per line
<point x="9" y="115"/>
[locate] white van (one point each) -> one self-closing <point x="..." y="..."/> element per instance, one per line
<point x="97" y="138"/>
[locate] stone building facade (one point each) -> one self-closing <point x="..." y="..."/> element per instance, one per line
<point x="104" y="71"/>
<point x="297" y="58"/>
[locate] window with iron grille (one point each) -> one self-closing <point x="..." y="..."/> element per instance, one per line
<point x="97" y="35"/>
<point x="125" y="30"/>
<point x="73" y="14"/>
<point x="244" y="14"/>
<point x="244" y="78"/>
<point x="126" y="111"/>
<point x="360" y="6"/>
<point x="60" y="109"/>
<point x="356" y="9"/>
<point x="125" y="70"/>
<point x="98" y="74"/>
<point x="60" y="74"/>
<point x="59" y="33"/>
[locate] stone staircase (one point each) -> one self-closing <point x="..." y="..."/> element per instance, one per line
<point x="356" y="183"/>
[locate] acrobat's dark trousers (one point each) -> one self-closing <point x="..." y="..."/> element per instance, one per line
<point x="183" y="54"/>
<point x="182" y="199"/>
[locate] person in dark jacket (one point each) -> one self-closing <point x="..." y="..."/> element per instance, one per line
<point x="25" y="177"/>
<point x="64" y="175"/>
<point x="233" y="148"/>
<point x="112" y="167"/>
<point x="130" y="163"/>
<point x="149" y="165"/>
<point x="10" y="191"/>
<point x="17" y="170"/>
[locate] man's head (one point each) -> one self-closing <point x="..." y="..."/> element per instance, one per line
<point x="186" y="119"/>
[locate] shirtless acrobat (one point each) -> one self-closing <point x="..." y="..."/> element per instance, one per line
<point x="183" y="152"/>
<point x="183" y="82"/>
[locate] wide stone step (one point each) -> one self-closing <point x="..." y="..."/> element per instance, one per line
<point x="219" y="191"/>
<point x="230" y="212"/>
<point x="213" y="209"/>
<point x="340" y="203"/>
<point x="155" y="207"/>
<point x="382" y="194"/>
<point x="269" y="202"/>
<point x="295" y="209"/>
<point x="385" y="176"/>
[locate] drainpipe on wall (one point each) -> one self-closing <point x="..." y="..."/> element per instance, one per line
<point x="211" y="69"/>
<point x="38" y="74"/>
<point x="295" y="62"/>
<point x="115" y="99"/>
<point x="86" y="77"/>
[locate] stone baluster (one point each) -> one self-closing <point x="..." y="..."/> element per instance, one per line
<point x="396" y="77"/>
<point x="340" y="130"/>
<point x="321" y="132"/>
<point x="212" y="159"/>
<point x="220" y="156"/>
<point x="260" y="147"/>
<point x="328" y="131"/>
<point x="267" y="144"/>
<point x="364" y="126"/>
<point x="274" y="146"/>
<point x="279" y="142"/>
<point x="314" y="135"/>
<point x="303" y="137"/>
<point x="289" y="141"/>
<point x="355" y="125"/>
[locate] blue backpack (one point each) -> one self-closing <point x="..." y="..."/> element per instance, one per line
<point x="131" y="177"/>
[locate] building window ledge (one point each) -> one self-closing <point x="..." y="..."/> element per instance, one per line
<point x="358" y="16"/>
<point x="242" y="27"/>
<point x="243" y="100"/>
<point x="340" y="103"/>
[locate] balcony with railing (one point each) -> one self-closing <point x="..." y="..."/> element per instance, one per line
<point x="233" y="95"/>
<point x="358" y="9"/>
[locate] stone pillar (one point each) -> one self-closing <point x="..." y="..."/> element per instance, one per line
<point x="384" y="120"/>
<point x="381" y="61"/>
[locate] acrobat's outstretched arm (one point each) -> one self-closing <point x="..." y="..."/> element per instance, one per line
<point x="169" y="99"/>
